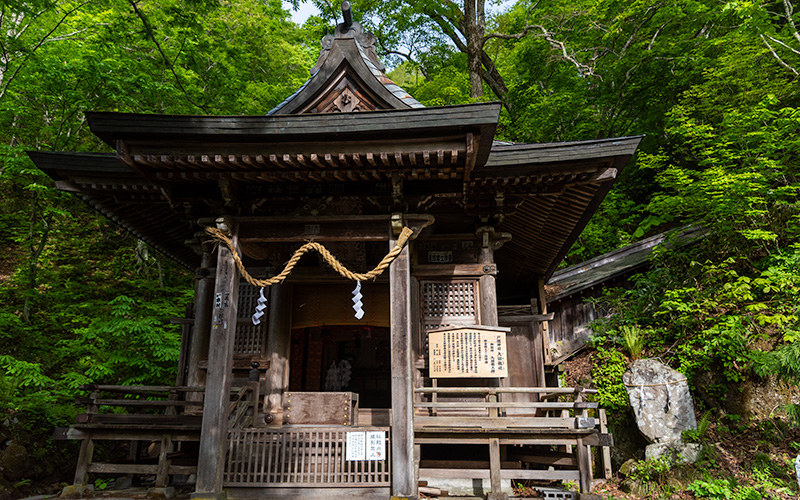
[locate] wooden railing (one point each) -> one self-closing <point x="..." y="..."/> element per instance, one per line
<point x="492" y="406"/>
<point x="161" y="414"/>
<point x="481" y="416"/>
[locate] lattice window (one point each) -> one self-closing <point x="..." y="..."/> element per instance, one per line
<point x="250" y="338"/>
<point x="449" y="303"/>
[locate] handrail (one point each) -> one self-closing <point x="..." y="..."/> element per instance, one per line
<point x="140" y="388"/>
<point x="576" y="405"/>
<point x="496" y="390"/>
<point x="237" y="411"/>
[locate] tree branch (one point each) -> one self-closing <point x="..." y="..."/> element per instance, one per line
<point x="789" y="11"/>
<point x="783" y="44"/>
<point x="7" y="81"/>
<point x="447" y="28"/>
<point x="777" y="56"/>
<point x="515" y="36"/>
<point x="409" y="59"/>
<point x="152" y="37"/>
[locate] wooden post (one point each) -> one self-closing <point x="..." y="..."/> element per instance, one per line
<point x="183" y="357"/>
<point x="214" y="430"/>
<point x="204" y="302"/>
<point x="404" y="475"/>
<point x="84" y="459"/>
<point x="542" y="299"/>
<point x="605" y="450"/>
<point x="278" y="344"/>
<point x="494" y="471"/>
<point x="584" y="466"/>
<point x="162" y="473"/>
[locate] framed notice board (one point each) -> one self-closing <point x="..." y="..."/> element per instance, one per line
<point x="468" y="352"/>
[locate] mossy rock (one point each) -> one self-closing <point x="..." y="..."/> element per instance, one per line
<point x="628" y="467"/>
<point x="14" y="462"/>
<point x="635" y="488"/>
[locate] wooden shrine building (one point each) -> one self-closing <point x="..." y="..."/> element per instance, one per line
<point x="441" y="378"/>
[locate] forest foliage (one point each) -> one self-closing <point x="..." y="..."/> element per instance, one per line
<point x="713" y="86"/>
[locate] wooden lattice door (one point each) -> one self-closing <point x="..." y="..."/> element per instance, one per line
<point x="250" y="340"/>
<point x="449" y="303"/>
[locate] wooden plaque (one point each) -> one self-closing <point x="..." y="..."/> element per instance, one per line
<point x="468" y="352"/>
<point x="320" y="408"/>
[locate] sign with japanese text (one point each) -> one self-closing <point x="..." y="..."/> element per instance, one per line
<point x="468" y="352"/>
<point x="369" y="445"/>
<point x="376" y="445"/>
<point x="355" y="446"/>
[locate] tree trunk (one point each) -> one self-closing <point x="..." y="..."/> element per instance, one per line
<point x="474" y="27"/>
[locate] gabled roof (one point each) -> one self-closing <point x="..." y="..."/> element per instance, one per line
<point x="564" y="184"/>
<point x="348" y="132"/>
<point x="347" y="77"/>
<point x="620" y="262"/>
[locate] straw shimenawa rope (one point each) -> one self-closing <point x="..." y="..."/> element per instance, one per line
<point x="312" y="245"/>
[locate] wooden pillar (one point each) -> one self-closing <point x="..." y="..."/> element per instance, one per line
<point x="404" y="474"/>
<point x="542" y="300"/>
<point x="203" y="303"/>
<point x="278" y="344"/>
<point x="214" y="430"/>
<point x="488" y="286"/>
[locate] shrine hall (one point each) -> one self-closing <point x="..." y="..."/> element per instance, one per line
<point x="369" y="317"/>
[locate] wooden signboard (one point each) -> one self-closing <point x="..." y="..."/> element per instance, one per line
<point x="468" y="352"/>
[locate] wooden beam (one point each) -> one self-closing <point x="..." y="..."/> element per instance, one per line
<point x="322" y="228"/>
<point x="404" y="474"/>
<point x="214" y="435"/>
<point x="546" y="475"/>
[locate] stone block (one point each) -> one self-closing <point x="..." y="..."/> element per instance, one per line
<point x="77" y="491"/>
<point x="158" y="493"/>
<point x="468" y="487"/>
<point x="676" y="451"/>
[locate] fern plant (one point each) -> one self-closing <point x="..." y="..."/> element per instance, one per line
<point x="633" y="338"/>
<point x="698" y="435"/>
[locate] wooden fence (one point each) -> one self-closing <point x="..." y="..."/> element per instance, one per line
<point x="300" y="456"/>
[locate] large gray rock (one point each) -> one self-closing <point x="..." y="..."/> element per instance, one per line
<point x="660" y="399"/>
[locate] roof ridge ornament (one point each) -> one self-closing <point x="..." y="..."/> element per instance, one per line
<point x="346" y="15"/>
<point x="349" y="29"/>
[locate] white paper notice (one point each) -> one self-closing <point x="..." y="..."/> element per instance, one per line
<point x="376" y="445"/>
<point x="355" y="446"/>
